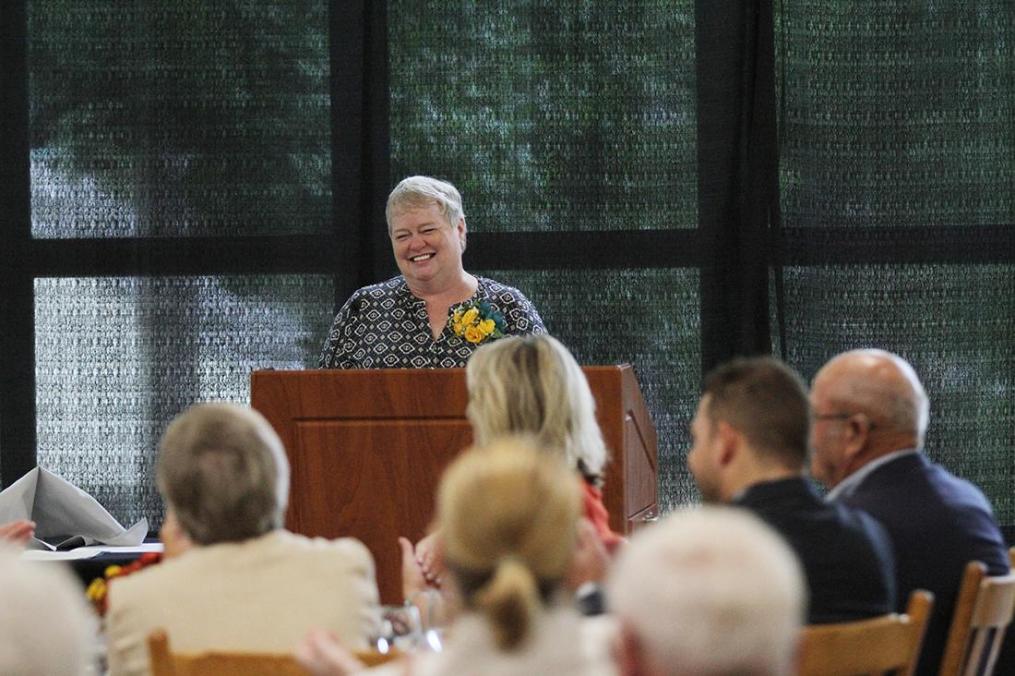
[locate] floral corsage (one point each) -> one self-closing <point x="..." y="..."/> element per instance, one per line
<point x="478" y="322"/>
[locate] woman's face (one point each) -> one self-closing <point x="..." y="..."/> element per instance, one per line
<point x="428" y="250"/>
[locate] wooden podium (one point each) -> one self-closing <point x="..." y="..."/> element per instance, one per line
<point x="367" y="448"/>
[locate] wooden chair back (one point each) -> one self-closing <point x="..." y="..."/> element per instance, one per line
<point x="983" y="611"/>
<point x="217" y="663"/>
<point x="224" y="663"/>
<point x="886" y="644"/>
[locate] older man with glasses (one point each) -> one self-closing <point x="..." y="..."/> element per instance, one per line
<point x="870" y="415"/>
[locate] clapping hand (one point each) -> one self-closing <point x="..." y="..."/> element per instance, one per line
<point x="18" y="532"/>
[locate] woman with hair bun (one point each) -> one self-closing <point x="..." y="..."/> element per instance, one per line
<point x="508" y="515"/>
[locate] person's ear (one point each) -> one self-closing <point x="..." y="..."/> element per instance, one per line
<point x="729" y="441"/>
<point x="857" y="432"/>
<point x="461" y="230"/>
<point x="175" y="540"/>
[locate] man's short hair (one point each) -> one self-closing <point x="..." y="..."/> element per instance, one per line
<point x="223" y="472"/>
<point x="710" y="591"/>
<point x="767" y="402"/>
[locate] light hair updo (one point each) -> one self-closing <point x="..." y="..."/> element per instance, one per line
<point x="508" y="514"/>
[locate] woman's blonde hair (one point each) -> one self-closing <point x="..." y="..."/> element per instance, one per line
<point x="533" y="385"/>
<point x="507" y="512"/>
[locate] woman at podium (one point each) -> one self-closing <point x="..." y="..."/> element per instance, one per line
<point x="434" y="314"/>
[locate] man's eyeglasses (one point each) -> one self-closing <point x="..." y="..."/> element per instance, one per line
<point x="842" y="416"/>
<point x="831" y="416"/>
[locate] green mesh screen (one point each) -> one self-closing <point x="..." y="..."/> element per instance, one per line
<point x="899" y="115"/>
<point x="904" y="116"/>
<point x="118" y="358"/>
<point x="549" y="114"/>
<point x="182" y="118"/>
<point x="647" y="318"/>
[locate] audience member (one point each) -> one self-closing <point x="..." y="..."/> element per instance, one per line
<point x="871" y="414"/>
<point x="532" y="385"/>
<point x="707" y="592"/>
<point x="241" y="582"/>
<point x="508" y="515"/>
<point x="46" y="628"/>
<point x="750" y="437"/>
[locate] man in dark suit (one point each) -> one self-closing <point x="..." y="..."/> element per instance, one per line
<point x="870" y="416"/>
<point x="750" y="449"/>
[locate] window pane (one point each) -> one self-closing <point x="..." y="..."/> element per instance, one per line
<point x="903" y="115"/>
<point x="179" y="119"/>
<point x="647" y="318"/>
<point x="953" y="323"/>
<point x="117" y="358"/>
<point x="549" y="114"/>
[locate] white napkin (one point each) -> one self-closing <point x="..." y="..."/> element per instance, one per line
<point x="62" y="510"/>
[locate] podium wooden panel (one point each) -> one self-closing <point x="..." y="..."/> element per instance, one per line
<point x="367" y="448"/>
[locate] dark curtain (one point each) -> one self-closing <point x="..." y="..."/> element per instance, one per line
<point x="738" y="203"/>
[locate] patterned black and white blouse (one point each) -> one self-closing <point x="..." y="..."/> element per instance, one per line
<point x="385" y="326"/>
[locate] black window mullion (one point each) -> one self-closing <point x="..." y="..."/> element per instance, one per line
<point x="359" y="142"/>
<point x="17" y="340"/>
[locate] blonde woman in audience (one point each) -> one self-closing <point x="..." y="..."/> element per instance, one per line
<point x="45" y="626"/>
<point x="508" y="515"/>
<point x="533" y="385"/>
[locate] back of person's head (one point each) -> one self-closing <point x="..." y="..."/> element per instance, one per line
<point x="508" y="515"/>
<point x="767" y="402"/>
<point x="421" y="192"/>
<point x="46" y="629"/>
<point x="533" y="385"/>
<point x="223" y="472"/>
<point x="711" y="591"/>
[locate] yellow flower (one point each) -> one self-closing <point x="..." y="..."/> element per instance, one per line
<point x="470" y="315"/>
<point x="96" y="590"/>
<point x="113" y="571"/>
<point x="474" y="335"/>
<point x="487" y="326"/>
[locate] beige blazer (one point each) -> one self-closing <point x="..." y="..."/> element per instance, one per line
<point x="263" y="594"/>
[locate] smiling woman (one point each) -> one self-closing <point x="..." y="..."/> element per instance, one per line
<point x="434" y="314"/>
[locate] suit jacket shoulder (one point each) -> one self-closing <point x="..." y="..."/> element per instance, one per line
<point x="846" y="555"/>
<point x="937" y="523"/>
